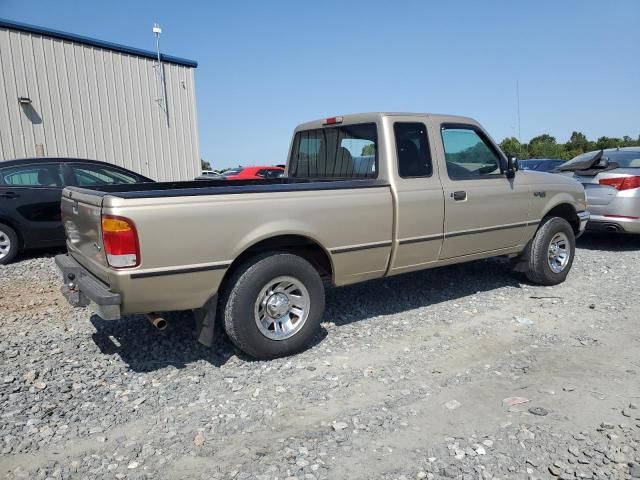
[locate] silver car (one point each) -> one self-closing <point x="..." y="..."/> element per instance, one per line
<point x="611" y="180"/>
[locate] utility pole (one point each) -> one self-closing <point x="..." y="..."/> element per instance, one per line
<point x="159" y="69"/>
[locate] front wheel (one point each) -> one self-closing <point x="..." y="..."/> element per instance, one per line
<point x="550" y="254"/>
<point x="273" y="305"/>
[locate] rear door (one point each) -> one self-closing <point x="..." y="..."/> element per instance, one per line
<point x="30" y="195"/>
<point x="484" y="210"/>
<point x="420" y="205"/>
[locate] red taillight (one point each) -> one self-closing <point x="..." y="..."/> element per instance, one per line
<point x="333" y="120"/>
<point x="120" y="240"/>
<point x="621" y="183"/>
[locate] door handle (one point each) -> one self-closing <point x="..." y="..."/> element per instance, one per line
<point x="460" y="195"/>
<point x="9" y="195"/>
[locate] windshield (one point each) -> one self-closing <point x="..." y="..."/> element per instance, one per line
<point x="233" y="171"/>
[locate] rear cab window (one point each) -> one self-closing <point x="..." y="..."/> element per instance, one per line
<point x="345" y="151"/>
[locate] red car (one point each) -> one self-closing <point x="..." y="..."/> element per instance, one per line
<point x="253" y="173"/>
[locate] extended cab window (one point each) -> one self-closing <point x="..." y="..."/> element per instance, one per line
<point x="468" y="154"/>
<point x="348" y="151"/>
<point x="412" y="149"/>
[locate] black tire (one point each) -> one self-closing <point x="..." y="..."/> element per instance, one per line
<point x="8" y="234"/>
<point x="536" y="255"/>
<point x="239" y="300"/>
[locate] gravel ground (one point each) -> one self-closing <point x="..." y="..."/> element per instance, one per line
<point x="461" y="372"/>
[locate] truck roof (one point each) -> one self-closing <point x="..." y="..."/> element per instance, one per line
<point x="374" y="116"/>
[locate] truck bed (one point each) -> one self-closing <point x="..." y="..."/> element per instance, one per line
<point x="226" y="187"/>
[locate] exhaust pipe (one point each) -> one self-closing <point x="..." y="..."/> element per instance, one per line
<point x="157" y="321"/>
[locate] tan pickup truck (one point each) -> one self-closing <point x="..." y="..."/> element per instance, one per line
<point x="365" y="196"/>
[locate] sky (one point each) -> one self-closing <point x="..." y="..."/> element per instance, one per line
<point x="265" y="67"/>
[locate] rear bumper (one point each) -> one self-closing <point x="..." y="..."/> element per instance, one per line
<point x="614" y="224"/>
<point x="80" y="288"/>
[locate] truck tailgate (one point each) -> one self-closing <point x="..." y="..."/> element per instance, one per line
<point x="81" y="216"/>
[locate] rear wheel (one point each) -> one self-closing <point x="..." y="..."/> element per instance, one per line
<point x="273" y="305"/>
<point x="9" y="244"/>
<point x="550" y="254"/>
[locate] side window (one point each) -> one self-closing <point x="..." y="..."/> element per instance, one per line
<point x="412" y="149"/>
<point x="88" y="175"/>
<point x="39" y="175"/>
<point x="468" y="154"/>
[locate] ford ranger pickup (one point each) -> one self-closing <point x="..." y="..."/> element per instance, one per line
<point x="364" y="196"/>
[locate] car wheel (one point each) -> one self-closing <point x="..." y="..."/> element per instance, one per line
<point x="9" y="244"/>
<point x="273" y="305"/>
<point x="551" y="251"/>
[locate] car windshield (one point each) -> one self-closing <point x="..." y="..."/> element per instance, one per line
<point x="233" y="171"/>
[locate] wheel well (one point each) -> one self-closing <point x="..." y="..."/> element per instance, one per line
<point x="566" y="211"/>
<point x="295" y="244"/>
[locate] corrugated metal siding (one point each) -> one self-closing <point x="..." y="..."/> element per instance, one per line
<point x="95" y="103"/>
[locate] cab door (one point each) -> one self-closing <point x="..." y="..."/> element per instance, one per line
<point x="484" y="210"/>
<point x="419" y="197"/>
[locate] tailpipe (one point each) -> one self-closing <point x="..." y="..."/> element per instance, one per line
<point x="157" y="321"/>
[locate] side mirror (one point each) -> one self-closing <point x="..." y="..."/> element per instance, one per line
<point x="512" y="167"/>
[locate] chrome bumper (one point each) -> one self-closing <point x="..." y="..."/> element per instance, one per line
<point x="584" y="218"/>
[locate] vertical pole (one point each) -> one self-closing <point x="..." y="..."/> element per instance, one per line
<point x="518" y="103"/>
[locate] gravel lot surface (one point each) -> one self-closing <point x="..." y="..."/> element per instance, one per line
<point x="460" y="372"/>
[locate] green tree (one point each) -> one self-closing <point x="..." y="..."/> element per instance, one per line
<point x="578" y="141"/>
<point x="369" y="149"/>
<point x="204" y="165"/>
<point x="607" y="142"/>
<point x="545" y="146"/>
<point x="513" y="148"/>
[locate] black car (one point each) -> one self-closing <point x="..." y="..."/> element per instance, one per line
<point x="30" y="194"/>
<point x="540" y="164"/>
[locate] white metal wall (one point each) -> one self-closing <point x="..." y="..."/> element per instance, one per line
<point x="89" y="102"/>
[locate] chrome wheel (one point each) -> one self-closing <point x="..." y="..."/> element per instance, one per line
<point x="5" y="244"/>
<point x="559" y="252"/>
<point x="282" y="308"/>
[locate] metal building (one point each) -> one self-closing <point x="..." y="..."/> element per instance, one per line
<point x="63" y="95"/>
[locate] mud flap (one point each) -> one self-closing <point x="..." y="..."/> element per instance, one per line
<point x="205" y="321"/>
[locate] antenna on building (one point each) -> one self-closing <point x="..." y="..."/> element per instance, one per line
<point x="159" y="69"/>
<point x="518" y="106"/>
